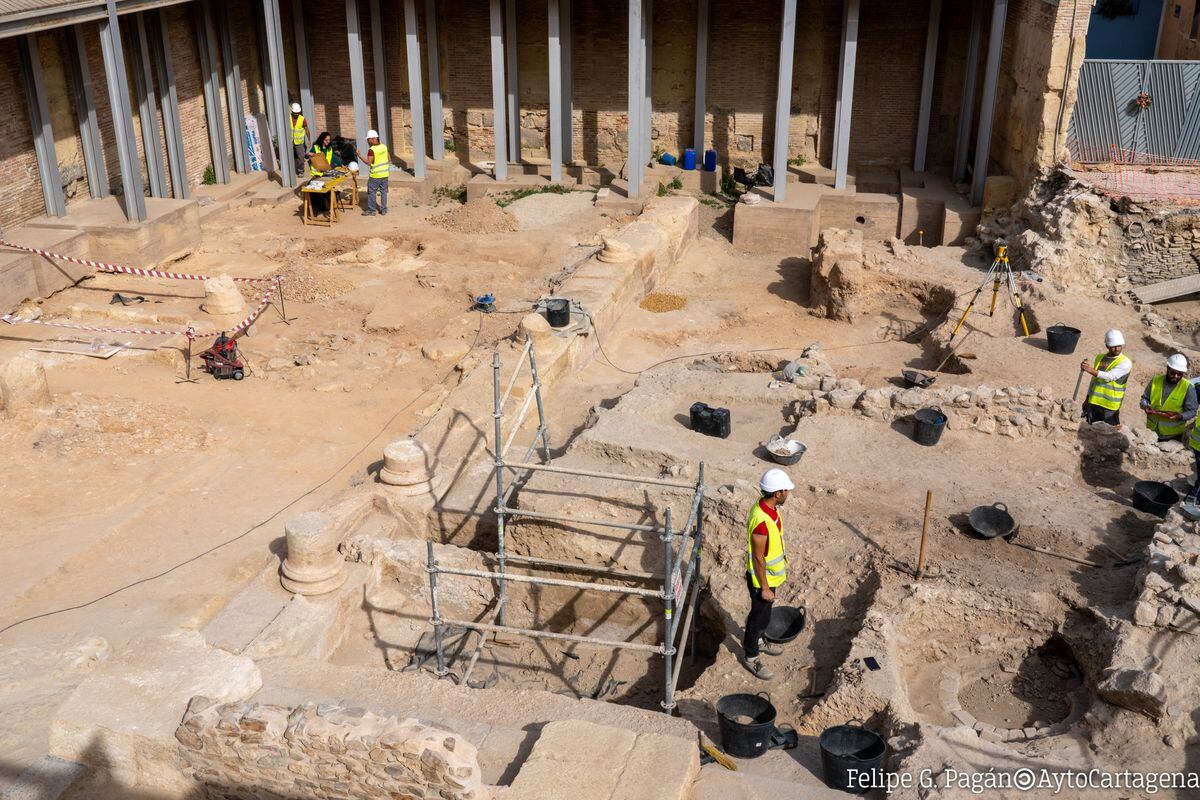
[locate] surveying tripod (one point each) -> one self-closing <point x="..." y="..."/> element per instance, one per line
<point x="999" y="272"/>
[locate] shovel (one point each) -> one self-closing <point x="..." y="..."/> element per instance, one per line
<point x="920" y="379"/>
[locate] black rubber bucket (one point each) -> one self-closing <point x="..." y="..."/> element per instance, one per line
<point x="1061" y="339"/>
<point x="1154" y="497"/>
<point x="929" y="426"/>
<point x="786" y="624"/>
<point x="847" y="751"/>
<point x="743" y="739"/>
<point x="558" y="312"/>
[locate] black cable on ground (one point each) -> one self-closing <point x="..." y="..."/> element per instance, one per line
<point x="260" y="524"/>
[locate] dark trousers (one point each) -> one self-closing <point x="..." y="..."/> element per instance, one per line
<point x="1195" y="492"/>
<point x="1093" y="414"/>
<point x="298" y="158"/>
<point x="757" y="620"/>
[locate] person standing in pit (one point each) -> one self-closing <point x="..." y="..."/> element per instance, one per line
<point x="766" y="568"/>
<point x="380" y="165"/>
<point x="1170" y="401"/>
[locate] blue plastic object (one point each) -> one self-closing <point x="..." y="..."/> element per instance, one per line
<point x="668" y="159"/>
<point x="689" y="158"/>
<point x="710" y="160"/>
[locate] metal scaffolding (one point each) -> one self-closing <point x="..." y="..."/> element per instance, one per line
<point x="680" y="578"/>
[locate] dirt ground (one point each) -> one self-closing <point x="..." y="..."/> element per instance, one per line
<point x="138" y="503"/>
<point x="174" y="470"/>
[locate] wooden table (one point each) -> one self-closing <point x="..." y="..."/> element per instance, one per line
<point x="332" y="185"/>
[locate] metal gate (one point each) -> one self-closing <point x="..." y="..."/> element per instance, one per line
<point x="1109" y="123"/>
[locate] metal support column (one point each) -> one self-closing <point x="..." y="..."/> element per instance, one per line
<point x="499" y="127"/>
<point x="633" y="164"/>
<point x="261" y="12"/>
<point x="987" y="103"/>
<point x="172" y="128"/>
<point x="568" y="116"/>
<point x="647" y="118"/>
<point x="536" y="388"/>
<point x="927" y="75"/>
<point x="358" y="78"/>
<point x="431" y="567"/>
<point x="698" y="127"/>
<point x="122" y="114"/>
<point x="846" y="92"/>
<point x="233" y="88"/>
<point x="383" y="114"/>
<point x="966" y="114"/>
<point x="554" y="52"/>
<point x="511" y="51"/>
<point x="303" y="65"/>
<point x="273" y="33"/>
<point x="416" y="101"/>
<point x="437" y="120"/>
<point x="783" y="99"/>
<point x="39" y="120"/>
<point x="85" y="112"/>
<point x="206" y="36"/>
<point x="147" y="97"/>
<point x="837" y="108"/>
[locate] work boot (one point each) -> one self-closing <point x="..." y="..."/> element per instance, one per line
<point x="769" y="648"/>
<point x="757" y="669"/>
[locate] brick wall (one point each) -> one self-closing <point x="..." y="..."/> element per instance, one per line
<point x="189" y="87"/>
<point x="22" y="198"/>
<point x="1163" y="248"/>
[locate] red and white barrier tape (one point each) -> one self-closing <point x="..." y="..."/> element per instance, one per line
<point x="146" y="273"/>
<point x="190" y="333"/>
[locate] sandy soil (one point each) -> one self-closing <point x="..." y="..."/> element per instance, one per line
<point x="137" y="503"/>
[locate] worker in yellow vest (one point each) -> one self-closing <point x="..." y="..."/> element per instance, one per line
<point x="1110" y="372"/>
<point x="379" y="161"/>
<point x="766" y="567"/>
<point x="1170" y="401"/>
<point x="300" y="137"/>
<point x="323" y="147"/>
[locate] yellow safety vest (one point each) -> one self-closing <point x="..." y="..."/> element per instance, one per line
<point x="298" y="129"/>
<point x="325" y="151"/>
<point x="1173" y="402"/>
<point x="1194" y="438"/>
<point x="775" y="557"/>
<point x="380" y="165"/>
<point x="1108" y="394"/>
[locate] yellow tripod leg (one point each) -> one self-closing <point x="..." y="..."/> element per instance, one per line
<point x="1021" y="312"/>
<point x="965" y="313"/>
<point x="995" y="294"/>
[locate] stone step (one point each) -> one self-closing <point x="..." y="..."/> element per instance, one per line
<point x="585" y="761"/>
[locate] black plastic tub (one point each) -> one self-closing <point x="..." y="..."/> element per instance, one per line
<point x="786" y="624"/>
<point x="1154" y="497"/>
<point x="847" y="751"/>
<point x="558" y="312"/>
<point x="992" y="521"/>
<point x="930" y="422"/>
<point x="1061" y="339"/>
<point x="742" y="739"/>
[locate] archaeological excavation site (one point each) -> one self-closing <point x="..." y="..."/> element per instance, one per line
<point x="599" y="399"/>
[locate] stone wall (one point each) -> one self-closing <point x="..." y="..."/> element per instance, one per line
<point x="1160" y="248"/>
<point x="249" y="751"/>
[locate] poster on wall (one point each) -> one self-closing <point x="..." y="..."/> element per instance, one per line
<point x="254" y="144"/>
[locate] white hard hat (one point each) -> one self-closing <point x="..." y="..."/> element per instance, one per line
<point x="372" y="134"/>
<point x="1177" y="363"/>
<point x="353" y="166"/>
<point x="1114" y="338"/>
<point x="774" y="480"/>
<point x="295" y="108"/>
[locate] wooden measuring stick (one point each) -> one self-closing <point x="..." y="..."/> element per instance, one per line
<point x="1078" y="383"/>
<point x="924" y="534"/>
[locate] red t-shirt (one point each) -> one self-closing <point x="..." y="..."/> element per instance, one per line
<point x="761" y="530"/>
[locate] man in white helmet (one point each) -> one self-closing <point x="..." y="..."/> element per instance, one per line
<point x="1170" y="401"/>
<point x="766" y="567"/>
<point x="300" y="137"/>
<point x="1110" y="372"/>
<point x="379" y="166"/>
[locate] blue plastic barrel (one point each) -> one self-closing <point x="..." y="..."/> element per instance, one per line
<point x="710" y="160"/>
<point x="667" y="159"/>
<point x="689" y="158"/>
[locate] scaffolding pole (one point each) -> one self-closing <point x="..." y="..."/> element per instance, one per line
<point x="596" y="587"/>
<point x="498" y="415"/>
<point x="568" y="637"/>
<point x="432" y="567"/>
<point x="611" y="476"/>
<point x="572" y="565"/>
<point x="668" y="538"/>
<point x="627" y="526"/>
